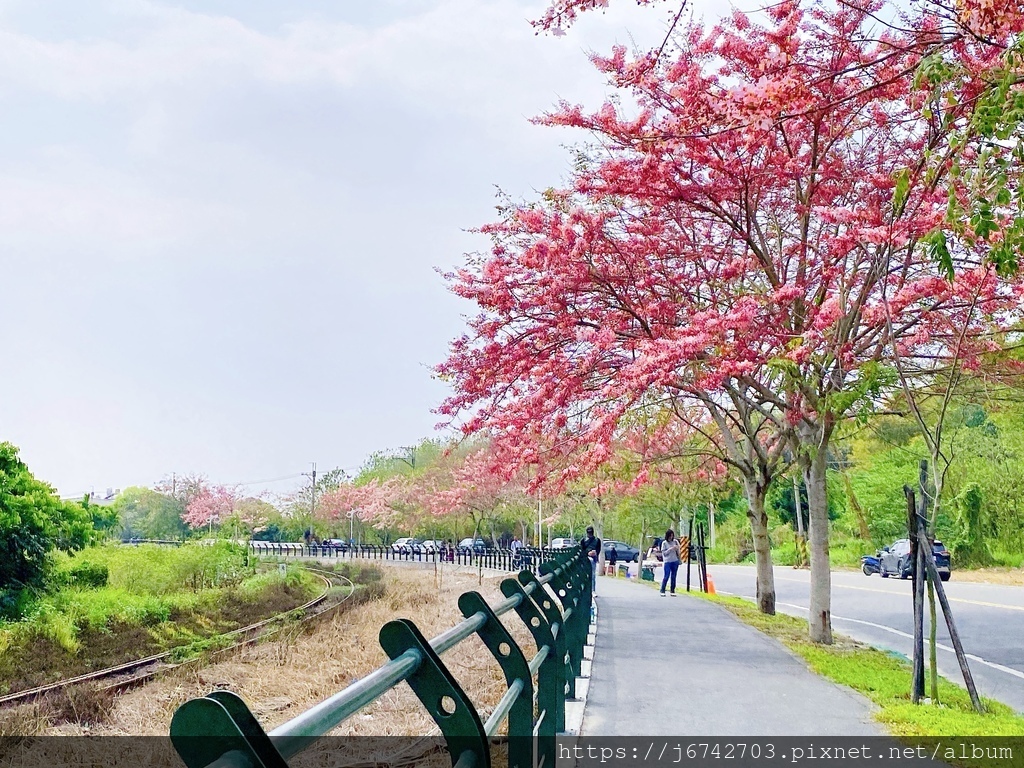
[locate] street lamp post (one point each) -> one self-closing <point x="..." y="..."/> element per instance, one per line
<point x="540" y="523"/>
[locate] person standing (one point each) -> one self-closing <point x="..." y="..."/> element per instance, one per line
<point x="514" y="547"/>
<point x="670" y="561"/>
<point x="592" y="547"/>
<point x="613" y="558"/>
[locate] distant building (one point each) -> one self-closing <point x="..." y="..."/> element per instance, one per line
<point x="104" y="500"/>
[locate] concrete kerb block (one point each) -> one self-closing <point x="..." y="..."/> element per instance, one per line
<point x="574" y="708"/>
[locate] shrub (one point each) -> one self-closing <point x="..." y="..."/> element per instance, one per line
<point x="89" y="575"/>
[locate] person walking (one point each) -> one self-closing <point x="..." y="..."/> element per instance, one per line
<point x="592" y="547"/>
<point x="514" y="547"/>
<point x="613" y="558"/>
<point x="670" y="561"/>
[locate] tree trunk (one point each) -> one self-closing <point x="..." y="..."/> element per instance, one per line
<point x="820" y="614"/>
<point x="756" y="493"/>
<point x="472" y="550"/>
<point x="858" y="510"/>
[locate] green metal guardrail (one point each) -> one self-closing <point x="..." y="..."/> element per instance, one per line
<point x="219" y="730"/>
<point x="489" y="557"/>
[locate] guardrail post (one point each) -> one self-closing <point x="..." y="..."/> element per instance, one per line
<point x="551" y="675"/>
<point x="567" y="582"/>
<point x="219" y="728"/>
<point x="433" y="683"/>
<point x="555" y="616"/>
<point x="513" y="663"/>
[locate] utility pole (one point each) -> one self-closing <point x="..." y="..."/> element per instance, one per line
<point x="312" y="476"/>
<point x="410" y="455"/>
<point x="540" y="525"/>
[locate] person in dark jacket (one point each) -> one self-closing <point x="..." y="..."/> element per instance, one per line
<point x="592" y="547"/>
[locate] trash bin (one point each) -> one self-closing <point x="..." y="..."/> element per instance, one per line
<point x="647" y="573"/>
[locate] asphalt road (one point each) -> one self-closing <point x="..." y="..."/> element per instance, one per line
<point x="989" y="617"/>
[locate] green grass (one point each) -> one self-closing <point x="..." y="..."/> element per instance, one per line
<point x="153" y="599"/>
<point x="138" y="586"/>
<point x="1006" y="559"/>
<point x="884" y="679"/>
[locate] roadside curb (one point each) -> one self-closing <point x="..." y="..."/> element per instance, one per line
<point x="575" y="709"/>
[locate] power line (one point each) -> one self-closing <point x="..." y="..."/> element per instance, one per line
<point x="271" y="480"/>
<point x="347" y="470"/>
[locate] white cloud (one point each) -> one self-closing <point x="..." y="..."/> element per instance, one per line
<point x="217" y="237"/>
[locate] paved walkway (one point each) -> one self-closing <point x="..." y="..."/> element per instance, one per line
<point x="666" y="666"/>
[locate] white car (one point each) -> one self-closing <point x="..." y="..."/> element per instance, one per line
<point x="428" y="547"/>
<point x="404" y="544"/>
<point x="563" y="543"/>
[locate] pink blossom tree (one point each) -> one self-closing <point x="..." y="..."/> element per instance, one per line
<point x="475" y="485"/>
<point x="759" y="236"/>
<point x="211" y="504"/>
<point x="379" y="503"/>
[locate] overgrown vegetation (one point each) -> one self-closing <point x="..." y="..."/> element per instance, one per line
<point x="33" y="523"/>
<point x="115" y="603"/>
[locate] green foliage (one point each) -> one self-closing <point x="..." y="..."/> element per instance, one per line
<point x="148" y="514"/>
<point x="859" y="396"/>
<point x="938" y="250"/>
<point x="270" y="532"/>
<point x="112" y="587"/>
<point x="650" y="512"/>
<point x="969" y="547"/>
<point x="408" y="460"/>
<point x="877" y="478"/>
<point x="981" y="151"/>
<point x="160" y="570"/>
<point x="781" y="502"/>
<point x="33" y="523"/>
<point x="104" y="517"/>
<point x="87" y="575"/>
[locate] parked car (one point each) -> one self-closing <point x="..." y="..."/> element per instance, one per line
<point x="470" y="544"/>
<point x="894" y="560"/>
<point x="338" y="545"/>
<point x="404" y="544"/>
<point x="624" y="552"/>
<point x="428" y="547"/>
<point x="564" y="543"/>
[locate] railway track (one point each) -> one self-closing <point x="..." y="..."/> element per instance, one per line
<point x="133" y="673"/>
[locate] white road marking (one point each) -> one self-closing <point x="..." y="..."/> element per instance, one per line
<point x="901" y="633"/>
<point x="894" y="592"/>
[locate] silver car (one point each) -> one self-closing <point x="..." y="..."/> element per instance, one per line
<point x="895" y="560"/>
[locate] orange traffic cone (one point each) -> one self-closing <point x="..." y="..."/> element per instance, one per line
<point x="711" y="585"/>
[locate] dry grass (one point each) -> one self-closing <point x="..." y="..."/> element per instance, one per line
<point x="281" y="678"/>
<point x="1009" y="576"/>
<point x="1013" y="577"/>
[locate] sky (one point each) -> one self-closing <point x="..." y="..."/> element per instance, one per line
<point x="221" y="220"/>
